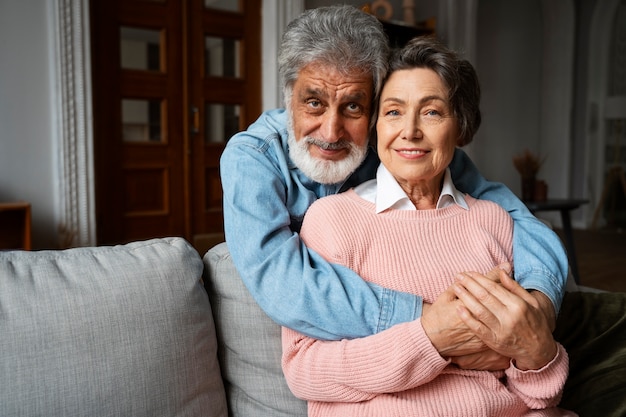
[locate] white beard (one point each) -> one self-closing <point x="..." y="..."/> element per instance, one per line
<point x="322" y="170"/>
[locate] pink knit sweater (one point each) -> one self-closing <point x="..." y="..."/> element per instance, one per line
<point x="398" y="372"/>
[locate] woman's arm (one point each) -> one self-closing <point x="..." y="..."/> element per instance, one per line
<point x="506" y="317"/>
<point x="394" y="360"/>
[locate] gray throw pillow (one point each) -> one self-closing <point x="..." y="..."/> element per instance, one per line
<point x="108" y="331"/>
<point x="249" y="345"/>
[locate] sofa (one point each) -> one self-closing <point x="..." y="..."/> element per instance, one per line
<point x="151" y="328"/>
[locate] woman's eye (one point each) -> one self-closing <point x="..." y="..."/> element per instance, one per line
<point x="392" y="113"/>
<point x="432" y="113"/>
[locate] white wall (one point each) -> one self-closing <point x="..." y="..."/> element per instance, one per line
<point x="27" y="151"/>
<point x="508" y="56"/>
<point x="510" y="78"/>
<point x="525" y="52"/>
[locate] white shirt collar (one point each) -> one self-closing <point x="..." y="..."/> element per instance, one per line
<point x="386" y="193"/>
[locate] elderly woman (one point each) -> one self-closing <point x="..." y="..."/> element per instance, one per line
<point x="410" y="229"/>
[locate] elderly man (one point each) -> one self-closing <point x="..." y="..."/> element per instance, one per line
<point x="332" y="62"/>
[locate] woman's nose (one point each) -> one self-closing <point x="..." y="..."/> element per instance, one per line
<point x="411" y="129"/>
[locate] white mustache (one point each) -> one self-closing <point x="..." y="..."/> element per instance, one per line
<point x="340" y="144"/>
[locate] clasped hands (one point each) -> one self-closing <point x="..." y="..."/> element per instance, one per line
<point x="484" y="321"/>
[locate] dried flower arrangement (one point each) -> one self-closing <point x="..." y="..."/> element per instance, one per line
<point x="528" y="164"/>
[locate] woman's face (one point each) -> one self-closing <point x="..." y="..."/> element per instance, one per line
<point x="417" y="133"/>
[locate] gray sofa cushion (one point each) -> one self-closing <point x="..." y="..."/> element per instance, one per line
<point x="107" y="331"/>
<point x="249" y="345"/>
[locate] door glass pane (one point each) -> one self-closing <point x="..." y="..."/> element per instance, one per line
<point x="140" y="49"/>
<point x="222" y="57"/>
<point x="142" y="120"/>
<point x="228" y="5"/>
<point x="221" y="121"/>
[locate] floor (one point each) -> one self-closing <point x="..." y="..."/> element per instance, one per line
<point x="601" y="256"/>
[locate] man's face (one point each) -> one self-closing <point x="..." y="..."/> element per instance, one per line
<point x="330" y="114"/>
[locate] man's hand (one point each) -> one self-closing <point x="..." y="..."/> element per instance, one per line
<point x="546" y="307"/>
<point x="447" y="331"/>
<point x="487" y="360"/>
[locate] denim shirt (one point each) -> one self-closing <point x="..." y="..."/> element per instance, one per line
<point x="265" y="199"/>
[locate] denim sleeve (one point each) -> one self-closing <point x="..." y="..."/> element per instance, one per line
<point x="295" y="286"/>
<point x="539" y="258"/>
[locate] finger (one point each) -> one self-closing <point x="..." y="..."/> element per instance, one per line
<point x="475" y="324"/>
<point x="476" y="299"/>
<point x="498" y="294"/>
<point x="447" y="331"/>
<point x="497" y="271"/>
<point x="506" y="267"/>
<point x="488" y="303"/>
<point x="514" y="287"/>
<point x="448" y="294"/>
<point x="483" y="289"/>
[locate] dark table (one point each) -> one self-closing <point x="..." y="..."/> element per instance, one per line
<point x="564" y="205"/>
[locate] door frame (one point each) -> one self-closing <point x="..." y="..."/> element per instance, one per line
<point x="72" y="95"/>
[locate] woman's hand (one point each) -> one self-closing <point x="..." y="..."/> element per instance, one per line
<point x="506" y="318"/>
<point x="445" y="328"/>
<point x="449" y="333"/>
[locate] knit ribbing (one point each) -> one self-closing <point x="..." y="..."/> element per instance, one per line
<point x="396" y="248"/>
<point x="398" y="372"/>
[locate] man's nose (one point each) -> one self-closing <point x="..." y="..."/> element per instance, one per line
<point x="332" y="127"/>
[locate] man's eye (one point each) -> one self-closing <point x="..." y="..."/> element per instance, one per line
<point x="354" y="109"/>
<point x="314" y="103"/>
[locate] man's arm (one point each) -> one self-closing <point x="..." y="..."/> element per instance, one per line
<point x="539" y="259"/>
<point x="296" y="287"/>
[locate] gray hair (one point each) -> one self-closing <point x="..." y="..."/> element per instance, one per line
<point x="343" y="37"/>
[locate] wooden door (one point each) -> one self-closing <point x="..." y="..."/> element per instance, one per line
<point x="159" y="104"/>
<point x="225" y="68"/>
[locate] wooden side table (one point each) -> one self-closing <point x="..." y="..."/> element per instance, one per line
<point x="15" y="225"/>
<point x="564" y="206"/>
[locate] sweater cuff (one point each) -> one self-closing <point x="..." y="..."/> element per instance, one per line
<point x="542" y="387"/>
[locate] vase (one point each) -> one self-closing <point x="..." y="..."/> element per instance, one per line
<point x="528" y="189"/>
<point x="541" y="191"/>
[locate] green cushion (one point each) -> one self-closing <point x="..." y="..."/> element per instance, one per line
<point x="592" y="327"/>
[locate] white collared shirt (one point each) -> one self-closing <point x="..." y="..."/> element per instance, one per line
<point x="386" y="193"/>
